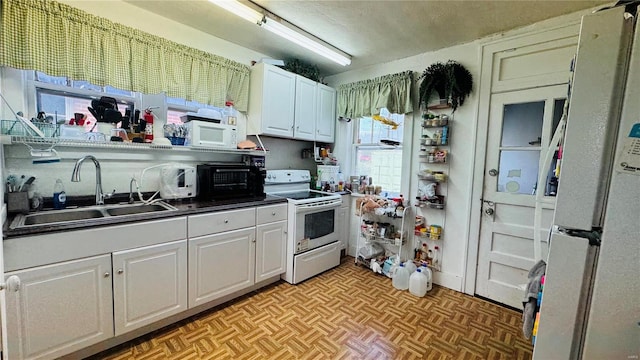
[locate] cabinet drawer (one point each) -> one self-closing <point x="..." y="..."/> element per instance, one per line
<point x="212" y="223"/>
<point x="267" y="214"/>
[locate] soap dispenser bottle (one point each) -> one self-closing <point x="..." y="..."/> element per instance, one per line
<point x="59" y="196"/>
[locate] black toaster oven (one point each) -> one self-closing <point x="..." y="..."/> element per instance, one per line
<point x="228" y="181"/>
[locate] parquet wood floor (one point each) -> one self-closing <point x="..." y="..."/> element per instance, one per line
<point x="345" y="313"/>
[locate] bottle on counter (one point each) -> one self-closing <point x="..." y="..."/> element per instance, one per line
<point x="59" y="196"/>
<point x="230" y="117"/>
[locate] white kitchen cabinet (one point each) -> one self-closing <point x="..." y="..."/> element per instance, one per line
<point x="149" y="284"/>
<point x="305" y="109"/>
<point x="271" y="241"/>
<point x="344" y="216"/>
<point x="221" y="264"/>
<point x="53" y="310"/>
<point x="271" y="250"/>
<point x="326" y="117"/>
<point x="271" y="101"/>
<point x="287" y="105"/>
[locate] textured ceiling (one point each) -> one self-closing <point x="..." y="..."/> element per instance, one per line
<point x="372" y="32"/>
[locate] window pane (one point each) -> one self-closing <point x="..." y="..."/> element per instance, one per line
<point x="176" y="101"/>
<point x="383" y="165"/>
<point x="522" y="124"/>
<point x="81" y="84"/>
<point x="173" y="116"/>
<point x="558" y="107"/>
<point x="58" y="80"/>
<point x="518" y="172"/>
<point x="365" y="132"/>
<point x="115" y="91"/>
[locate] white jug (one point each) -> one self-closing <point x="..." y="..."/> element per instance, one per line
<point x="418" y="283"/>
<point x="401" y="279"/>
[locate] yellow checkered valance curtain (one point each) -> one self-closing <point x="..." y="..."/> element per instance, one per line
<point x="64" y="41"/>
<point x="367" y="97"/>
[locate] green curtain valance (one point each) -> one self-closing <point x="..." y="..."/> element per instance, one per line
<point x="367" y="97"/>
<point x="64" y="41"/>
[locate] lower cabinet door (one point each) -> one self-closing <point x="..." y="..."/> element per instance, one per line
<point x="149" y="284"/>
<point x="220" y="264"/>
<point x="271" y="250"/>
<point x="57" y="309"/>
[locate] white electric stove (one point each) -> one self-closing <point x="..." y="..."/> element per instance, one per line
<point x="312" y="244"/>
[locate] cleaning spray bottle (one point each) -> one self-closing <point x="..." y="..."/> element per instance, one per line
<point x="59" y="196"/>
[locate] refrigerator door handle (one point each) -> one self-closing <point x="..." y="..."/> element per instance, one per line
<point x="592" y="236"/>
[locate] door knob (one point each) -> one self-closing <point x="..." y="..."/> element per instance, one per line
<point x="493" y="172"/>
<point x="106" y="274"/>
<point x="489" y="211"/>
<point x="120" y="271"/>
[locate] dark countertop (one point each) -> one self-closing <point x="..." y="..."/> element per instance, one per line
<point x="185" y="207"/>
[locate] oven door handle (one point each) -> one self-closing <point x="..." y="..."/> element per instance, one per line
<point x="313" y="207"/>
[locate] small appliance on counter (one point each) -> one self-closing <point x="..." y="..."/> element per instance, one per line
<point x="217" y="181"/>
<point x="211" y="135"/>
<point x="254" y="160"/>
<point x="177" y="182"/>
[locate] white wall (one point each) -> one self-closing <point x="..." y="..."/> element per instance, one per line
<point x="460" y="167"/>
<point x="456" y="217"/>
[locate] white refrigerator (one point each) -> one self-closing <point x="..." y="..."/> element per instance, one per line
<point x="591" y="300"/>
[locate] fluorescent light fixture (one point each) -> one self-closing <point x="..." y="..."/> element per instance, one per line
<point x="294" y="36"/>
<point x="241" y="10"/>
<point x="286" y="31"/>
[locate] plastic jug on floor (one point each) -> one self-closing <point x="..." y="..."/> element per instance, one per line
<point x="401" y="279"/>
<point x="411" y="267"/>
<point x="418" y="283"/>
<point x="427" y="272"/>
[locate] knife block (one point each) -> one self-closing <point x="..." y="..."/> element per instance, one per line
<point x="18" y="202"/>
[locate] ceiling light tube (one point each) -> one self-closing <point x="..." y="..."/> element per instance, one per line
<point x="240" y="9"/>
<point x="294" y="36"/>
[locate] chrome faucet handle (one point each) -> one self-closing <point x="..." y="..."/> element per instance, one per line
<point x="108" y="196"/>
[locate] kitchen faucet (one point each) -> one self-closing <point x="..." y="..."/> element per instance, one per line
<point x="75" y="177"/>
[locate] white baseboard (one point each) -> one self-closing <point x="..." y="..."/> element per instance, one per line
<point x="448" y="280"/>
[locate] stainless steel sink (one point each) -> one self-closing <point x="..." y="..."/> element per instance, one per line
<point x="61" y="216"/>
<point x="136" y="209"/>
<point x="85" y="214"/>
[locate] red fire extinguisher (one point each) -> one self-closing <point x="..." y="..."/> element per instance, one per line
<point x="148" y="130"/>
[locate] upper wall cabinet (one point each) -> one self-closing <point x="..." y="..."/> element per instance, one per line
<point x="326" y="119"/>
<point x="306" y="109"/>
<point x="271" y="101"/>
<point x="284" y="104"/>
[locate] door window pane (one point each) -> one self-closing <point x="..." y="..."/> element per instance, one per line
<point x="522" y="124"/>
<point x="558" y="107"/>
<point x="518" y="172"/>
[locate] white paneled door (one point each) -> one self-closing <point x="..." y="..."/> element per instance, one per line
<point x="521" y="124"/>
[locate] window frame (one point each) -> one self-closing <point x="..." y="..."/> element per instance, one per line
<point x="34" y="86"/>
<point x="356" y="145"/>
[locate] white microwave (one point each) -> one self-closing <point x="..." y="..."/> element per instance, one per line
<point x="211" y="135"/>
